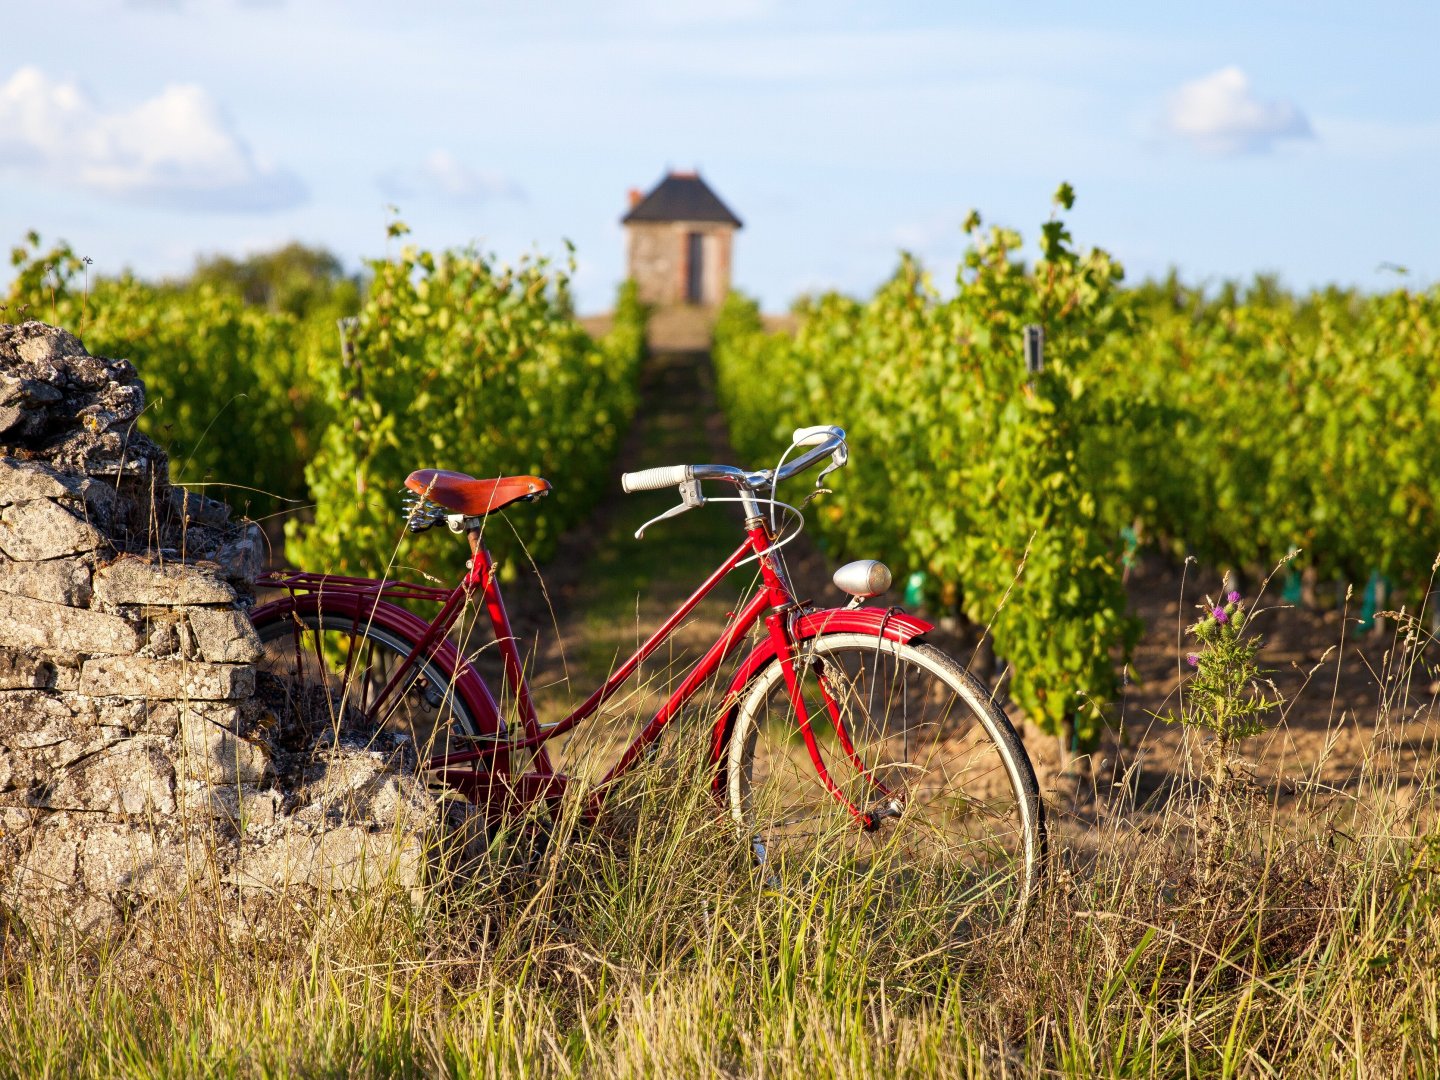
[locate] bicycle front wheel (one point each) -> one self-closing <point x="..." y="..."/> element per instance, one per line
<point x="333" y="672"/>
<point x="914" y="745"/>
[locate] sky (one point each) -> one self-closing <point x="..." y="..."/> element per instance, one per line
<point x="1222" y="139"/>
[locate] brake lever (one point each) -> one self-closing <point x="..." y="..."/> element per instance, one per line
<point x="690" y="498"/>
<point x="838" y="460"/>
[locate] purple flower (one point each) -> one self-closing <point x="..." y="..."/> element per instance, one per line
<point x="1234" y="598"/>
<point x="1193" y="660"/>
<point x="1220" y="615"/>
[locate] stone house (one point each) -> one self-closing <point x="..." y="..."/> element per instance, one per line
<point x="678" y="242"/>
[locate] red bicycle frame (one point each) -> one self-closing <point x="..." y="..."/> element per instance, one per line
<point x="483" y="773"/>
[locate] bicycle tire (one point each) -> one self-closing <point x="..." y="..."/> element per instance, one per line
<point x="303" y="649"/>
<point x="958" y="765"/>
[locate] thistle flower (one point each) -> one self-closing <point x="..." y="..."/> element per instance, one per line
<point x="1234" y="598"/>
<point x="1220" y="615"/>
<point x="1193" y="659"/>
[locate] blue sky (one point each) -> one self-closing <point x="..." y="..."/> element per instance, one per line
<point x="1222" y="138"/>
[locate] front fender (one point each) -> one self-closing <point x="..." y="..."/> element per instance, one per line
<point x="890" y="623"/>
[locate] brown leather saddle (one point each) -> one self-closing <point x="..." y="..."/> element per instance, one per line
<point x="474" y="498"/>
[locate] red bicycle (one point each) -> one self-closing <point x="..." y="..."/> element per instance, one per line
<point x="841" y="730"/>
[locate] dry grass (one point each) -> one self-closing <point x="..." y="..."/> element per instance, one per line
<point x="1263" y="932"/>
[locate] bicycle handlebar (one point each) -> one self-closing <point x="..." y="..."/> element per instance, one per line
<point x="824" y="441"/>
<point x="654" y="479"/>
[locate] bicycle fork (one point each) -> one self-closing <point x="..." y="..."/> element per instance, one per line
<point x="889" y="805"/>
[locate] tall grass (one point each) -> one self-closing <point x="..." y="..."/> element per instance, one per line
<point x="1297" y="933"/>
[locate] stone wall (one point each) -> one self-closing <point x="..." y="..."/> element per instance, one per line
<point x="137" y="758"/>
<point x="657" y="258"/>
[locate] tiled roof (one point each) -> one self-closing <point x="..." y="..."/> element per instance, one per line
<point x="682" y="197"/>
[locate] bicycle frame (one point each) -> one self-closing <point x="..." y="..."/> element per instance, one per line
<point x="483" y="773"/>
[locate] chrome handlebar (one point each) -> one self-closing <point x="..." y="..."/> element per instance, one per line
<point x="825" y="441"/>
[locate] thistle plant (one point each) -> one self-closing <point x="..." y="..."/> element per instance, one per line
<point x="1226" y="695"/>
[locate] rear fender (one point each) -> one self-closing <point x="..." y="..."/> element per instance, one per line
<point x="367" y="610"/>
<point x="890" y="623"/>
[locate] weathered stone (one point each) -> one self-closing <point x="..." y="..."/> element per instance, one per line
<point x="213" y="753"/>
<point x="26" y="391"/>
<point x="43" y="345"/>
<point x="40" y="719"/>
<point x="244" y="807"/>
<point x="350" y="857"/>
<point x="44" y="529"/>
<point x="27" y="622"/>
<point x="52" y="863"/>
<point x="174" y="584"/>
<point x="365" y="785"/>
<point x="117" y="859"/>
<point x="25" y="669"/>
<point x="224" y="635"/>
<point x="137" y="716"/>
<point x="139" y="676"/>
<point x="60" y="581"/>
<point x="21" y="481"/>
<point x="243" y="559"/>
<point x="128" y="716"/>
<point x="133" y="777"/>
<point x="198" y="510"/>
<point x="162" y="637"/>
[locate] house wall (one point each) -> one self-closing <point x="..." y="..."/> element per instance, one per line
<point x="656" y="259"/>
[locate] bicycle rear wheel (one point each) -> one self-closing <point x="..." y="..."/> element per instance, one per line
<point x="913" y="741"/>
<point x="336" y="673"/>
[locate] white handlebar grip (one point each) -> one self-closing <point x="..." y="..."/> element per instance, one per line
<point x="655" y="479"/>
<point x="810" y="436"/>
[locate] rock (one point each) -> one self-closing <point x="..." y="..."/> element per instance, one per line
<point x="224" y="635"/>
<point x="349" y="857"/>
<point x="133" y="776"/>
<point x="43" y="345"/>
<point x="243" y="807"/>
<point x="130" y="580"/>
<point x="136" y="759"/>
<point x="53" y="861"/>
<point x="60" y="581"/>
<point x="30" y="623"/>
<point x="214" y="754"/>
<point x="21" y="481"/>
<point x="242" y="560"/>
<point x="25" y="669"/>
<point x="162" y="636"/>
<point x="143" y="677"/>
<point x="45" y="529"/>
<point x="199" y="510"/>
<point x="368" y="786"/>
<point x="32" y="391"/>
<point x="44" y="720"/>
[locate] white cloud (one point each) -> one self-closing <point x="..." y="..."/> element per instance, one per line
<point x="443" y="175"/>
<point x="1220" y="114"/>
<point x="177" y="149"/>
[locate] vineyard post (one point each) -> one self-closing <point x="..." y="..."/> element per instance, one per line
<point x="347" y="348"/>
<point x="1034" y="352"/>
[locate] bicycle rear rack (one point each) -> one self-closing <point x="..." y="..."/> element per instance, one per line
<point x="301" y="581"/>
